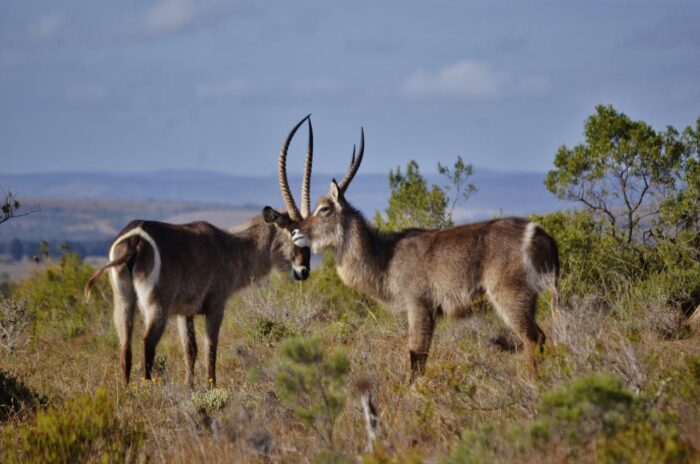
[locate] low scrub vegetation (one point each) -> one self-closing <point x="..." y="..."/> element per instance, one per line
<point x="83" y="429"/>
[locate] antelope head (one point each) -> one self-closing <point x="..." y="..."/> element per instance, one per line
<point x="323" y="229"/>
<point x="298" y="256"/>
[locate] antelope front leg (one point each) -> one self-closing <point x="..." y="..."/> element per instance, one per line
<point x="421" y="323"/>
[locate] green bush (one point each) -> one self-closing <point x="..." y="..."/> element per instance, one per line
<point x="311" y="382"/>
<point x="83" y="429"/>
<point x="55" y="296"/>
<point x="592" y="263"/>
<point x="622" y="426"/>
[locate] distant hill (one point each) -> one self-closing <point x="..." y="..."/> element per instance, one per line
<point x="97" y="220"/>
<point x="507" y="193"/>
<point x="87" y="210"/>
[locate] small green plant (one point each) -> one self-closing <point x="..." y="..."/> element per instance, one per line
<point x="16" y="397"/>
<point x="311" y="382"/>
<point x="270" y="331"/>
<point x="84" y="429"/>
<point x="207" y="402"/>
<point x="159" y="363"/>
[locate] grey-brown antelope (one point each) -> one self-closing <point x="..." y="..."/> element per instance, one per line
<point x="428" y="273"/>
<point x="189" y="269"/>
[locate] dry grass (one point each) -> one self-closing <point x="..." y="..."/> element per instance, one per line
<point x="469" y="382"/>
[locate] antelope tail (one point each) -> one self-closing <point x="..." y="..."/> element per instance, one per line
<point x="121" y="260"/>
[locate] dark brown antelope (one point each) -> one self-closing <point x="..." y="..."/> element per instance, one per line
<point x="189" y="269"/>
<point x="428" y="273"/>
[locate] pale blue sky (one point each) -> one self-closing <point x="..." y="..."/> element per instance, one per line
<point x="216" y="84"/>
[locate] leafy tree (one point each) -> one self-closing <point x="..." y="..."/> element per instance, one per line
<point x="413" y="204"/>
<point x="632" y="177"/>
<point x="640" y="221"/>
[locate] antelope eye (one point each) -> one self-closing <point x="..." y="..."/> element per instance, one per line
<point x="324" y="209"/>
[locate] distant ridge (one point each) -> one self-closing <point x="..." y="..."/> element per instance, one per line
<point x="500" y="193"/>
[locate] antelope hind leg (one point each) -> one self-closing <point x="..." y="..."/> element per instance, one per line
<point x="421" y="323"/>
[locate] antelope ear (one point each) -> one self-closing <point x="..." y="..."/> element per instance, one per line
<point x="335" y="193"/>
<point x="270" y="215"/>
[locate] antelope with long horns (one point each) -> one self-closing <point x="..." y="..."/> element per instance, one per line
<point x="189" y="269"/>
<point x="428" y="273"/>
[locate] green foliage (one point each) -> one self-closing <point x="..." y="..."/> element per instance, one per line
<point x="594" y="415"/>
<point x="311" y="382"/>
<point x="490" y="443"/>
<point x="593" y="263"/>
<point x="270" y="331"/>
<point x="326" y="456"/>
<point x="8" y="207"/>
<point x="83" y="429"/>
<point x="458" y="182"/>
<point x="16" y="397"/>
<point x="640" y="223"/>
<point x="55" y="296"/>
<point x="412" y="204"/>
<point x="681" y="207"/>
<point x="623" y="426"/>
<point x="159" y="363"/>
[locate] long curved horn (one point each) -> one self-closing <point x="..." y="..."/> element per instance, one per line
<point x="354" y="163"/>
<point x="306" y="181"/>
<point x="282" y="174"/>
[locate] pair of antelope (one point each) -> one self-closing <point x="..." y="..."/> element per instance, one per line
<point x="193" y="268"/>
